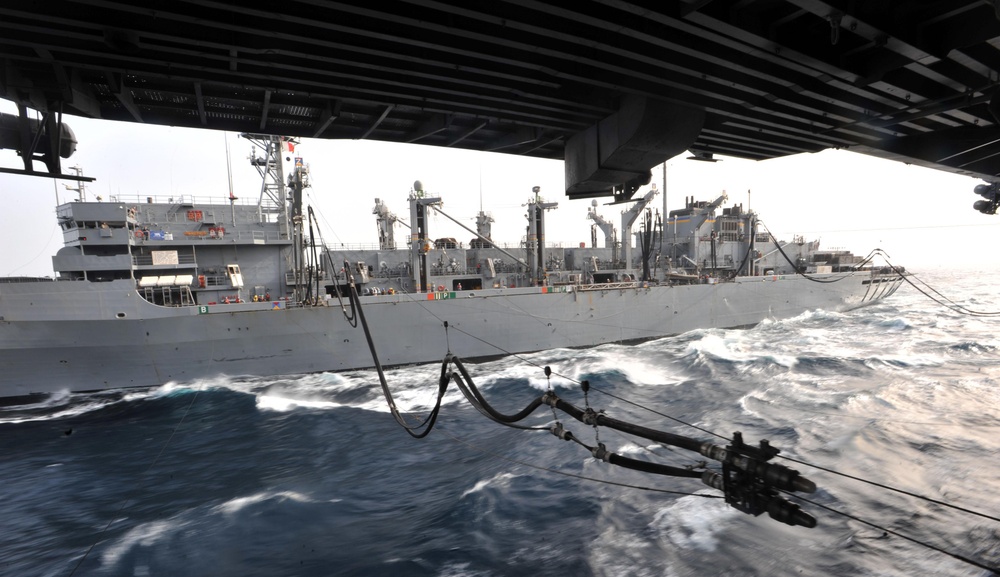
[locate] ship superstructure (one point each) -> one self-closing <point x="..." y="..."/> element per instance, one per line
<point x="150" y="290"/>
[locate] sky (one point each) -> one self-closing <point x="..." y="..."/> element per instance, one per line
<point x="921" y="217"/>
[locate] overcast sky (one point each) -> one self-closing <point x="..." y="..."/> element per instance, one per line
<point x="923" y="218"/>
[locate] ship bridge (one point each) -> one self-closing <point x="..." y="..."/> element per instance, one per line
<point x="611" y="87"/>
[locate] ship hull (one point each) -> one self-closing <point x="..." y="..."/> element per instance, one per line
<point x="128" y="342"/>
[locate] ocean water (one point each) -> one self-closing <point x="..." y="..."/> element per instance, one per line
<point x="310" y="475"/>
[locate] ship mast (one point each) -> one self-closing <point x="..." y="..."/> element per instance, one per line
<point x="536" y="236"/>
<point x="628" y="218"/>
<point x="275" y="202"/>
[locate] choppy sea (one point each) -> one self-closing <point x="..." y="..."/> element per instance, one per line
<point x="311" y="475"/>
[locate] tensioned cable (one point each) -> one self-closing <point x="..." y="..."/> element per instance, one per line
<point x="574" y="475"/>
<point x="638" y="405"/>
<point x="995" y="569"/>
<point x="771" y="403"/>
<point x="571" y="379"/>
<point x="481" y="405"/>
<point x="943" y="301"/>
<point x="528" y="361"/>
<point x="893" y="489"/>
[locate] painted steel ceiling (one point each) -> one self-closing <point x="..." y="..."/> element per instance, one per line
<point x="909" y="80"/>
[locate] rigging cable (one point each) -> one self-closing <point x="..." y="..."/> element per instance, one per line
<point x="748" y="481"/>
<point x="707" y="431"/>
<point x="311" y="265"/>
<point x="352" y="316"/>
<point x="940" y="299"/>
<point x="465" y="384"/>
<point x="894" y="489"/>
<point x="573" y="475"/>
<point x="886" y="530"/>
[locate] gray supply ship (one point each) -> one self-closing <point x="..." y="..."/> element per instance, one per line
<point x="149" y="291"/>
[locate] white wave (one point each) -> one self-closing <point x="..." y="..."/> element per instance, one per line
<point x="412" y="389"/>
<point x="461" y="570"/>
<point x="144" y="535"/>
<point x="693" y="522"/>
<point x="238" y="504"/>
<point x="74" y="405"/>
<point x="619" y="552"/>
<point x="638" y="366"/>
<point x="74" y="411"/>
<point x="283" y="404"/>
<point x="499" y="480"/>
<point x="635" y="449"/>
<point x="738" y="346"/>
<point x="753" y="398"/>
<point x="54" y="399"/>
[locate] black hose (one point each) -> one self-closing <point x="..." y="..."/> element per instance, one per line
<point x="442" y="383"/>
<point x="655" y="468"/>
<point x="639" y="431"/>
<point x="476" y="398"/>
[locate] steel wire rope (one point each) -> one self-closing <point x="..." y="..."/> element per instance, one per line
<point x="312" y="266"/>
<point x="513" y="307"/>
<point x="892" y="489"/>
<point x="595" y="419"/>
<point x="962" y="558"/>
<point x="351" y="317"/>
<point x="881" y="420"/>
<point x="749" y="491"/>
<point x="573" y="475"/>
<point x="466" y="383"/>
<point x="117" y="515"/>
<point x="526" y="360"/>
<point x="932" y="289"/>
<point x="890" y="228"/>
<point x="321" y="216"/>
<point x="45" y="247"/>
<point x="481" y="406"/>
<point x="887" y="487"/>
<point x="949" y="304"/>
<point x="833" y="471"/>
<point x="480" y="403"/>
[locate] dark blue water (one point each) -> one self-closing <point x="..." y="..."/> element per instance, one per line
<point x="310" y="475"/>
